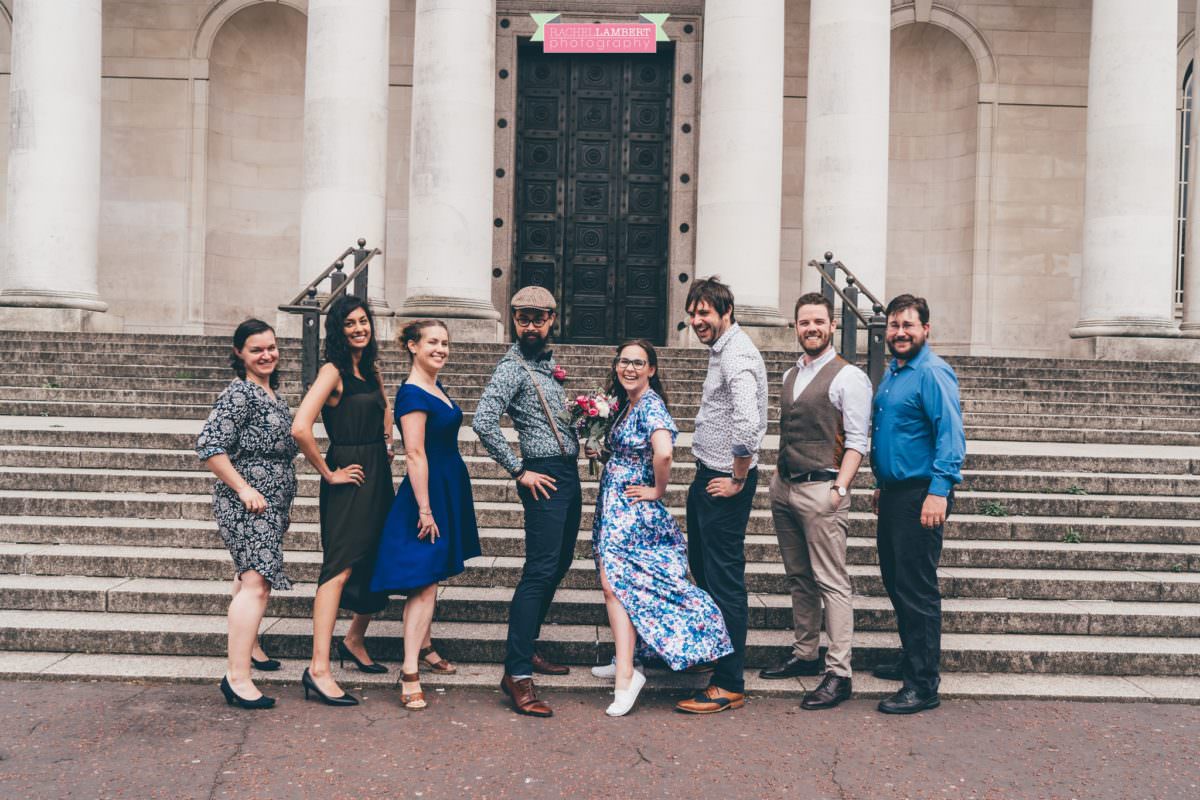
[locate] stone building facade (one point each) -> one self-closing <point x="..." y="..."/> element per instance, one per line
<point x="176" y="165"/>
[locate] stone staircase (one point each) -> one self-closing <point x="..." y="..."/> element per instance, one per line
<point x="1071" y="565"/>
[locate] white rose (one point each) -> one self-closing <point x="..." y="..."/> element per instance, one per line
<point x="603" y="409"/>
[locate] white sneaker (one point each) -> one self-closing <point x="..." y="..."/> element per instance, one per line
<point x="623" y="699"/>
<point x="609" y="670"/>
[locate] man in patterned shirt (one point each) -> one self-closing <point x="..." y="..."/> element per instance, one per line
<point x="730" y="427"/>
<point x="524" y="385"/>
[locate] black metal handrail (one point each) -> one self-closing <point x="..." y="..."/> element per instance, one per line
<point x="852" y="315"/>
<point x="306" y="305"/>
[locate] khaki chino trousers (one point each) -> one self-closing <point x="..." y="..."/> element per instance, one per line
<point x="812" y="539"/>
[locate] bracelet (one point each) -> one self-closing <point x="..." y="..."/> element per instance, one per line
<point x="736" y="479"/>
<point x="424" y="512"/>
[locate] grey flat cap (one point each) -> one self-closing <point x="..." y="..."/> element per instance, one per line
<point x="534" y="297"/>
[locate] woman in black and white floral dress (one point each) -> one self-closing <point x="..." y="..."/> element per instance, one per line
<point x="247" y="443"/>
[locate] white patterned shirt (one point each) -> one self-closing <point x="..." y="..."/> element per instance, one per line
<point x="732" y="420"/>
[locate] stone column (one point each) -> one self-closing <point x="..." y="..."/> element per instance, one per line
<point x="846" y="139"/>
<point x="345" y="135"/>
<point x="1126" y="288"/>
<point x="741" y="159"/>
<point x="1191" y="263"/>
<point x="54" y="165"/>
<point x="450" y="178"/>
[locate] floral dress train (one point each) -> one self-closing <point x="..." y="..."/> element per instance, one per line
<point x="643" y="553"/>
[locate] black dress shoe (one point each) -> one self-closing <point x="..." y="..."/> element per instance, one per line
<point x="235" y="699"/>
<point x="345" y="699"/>
<point x="832" y="690"/>
<point x="344" y="653"/>
<point x="792" y="668"/>
<point x="892" y="671"/>
<point x="268" y="664"/>
<point x="908" y="701"/>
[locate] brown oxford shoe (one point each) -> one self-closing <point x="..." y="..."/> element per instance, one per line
<point x="712" y="700"/>
<point x="524" y="698"/>
<point x="832" y="690"/>
<point x="543" y="667"/>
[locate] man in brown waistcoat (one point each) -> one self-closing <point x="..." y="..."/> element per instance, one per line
<point x="825" y="414"/>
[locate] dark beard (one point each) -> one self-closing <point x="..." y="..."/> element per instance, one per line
<point x="912" y="353"/>
<point x="811" y="354"/>
<point x="532" y="349"/>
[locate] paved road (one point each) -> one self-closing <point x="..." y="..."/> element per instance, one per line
<point x="112" y="740"/>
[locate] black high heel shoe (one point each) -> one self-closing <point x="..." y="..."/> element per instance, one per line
<point x="235" y="699"/>
<point x="344" y="653"/>
<point x="268" y="664"/>
<point x="310" y="685"/>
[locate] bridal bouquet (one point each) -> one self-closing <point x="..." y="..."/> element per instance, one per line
<point x="591" y="416"/>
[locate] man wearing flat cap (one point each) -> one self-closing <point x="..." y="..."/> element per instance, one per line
<point x="524" y="385"/>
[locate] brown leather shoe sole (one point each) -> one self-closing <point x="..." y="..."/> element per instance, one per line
<point x="687" y="707"/>
<point x="543" y="667"/>
<point x="529" y="712"/>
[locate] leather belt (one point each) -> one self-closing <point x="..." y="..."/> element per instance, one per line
<point x="815" y="475"/>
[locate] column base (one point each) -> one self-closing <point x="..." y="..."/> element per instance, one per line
<point x="1134" y="327"/>
<point x="50" y="298"/>
<point x="1144" y="348"/>
<point x="1190" y="330"/>
<point x="59" y="320"/>
<point x="468" y="320"/>
<point x="766" y="327"/>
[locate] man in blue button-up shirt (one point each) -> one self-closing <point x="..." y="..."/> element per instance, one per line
<point x="917" y="449"/>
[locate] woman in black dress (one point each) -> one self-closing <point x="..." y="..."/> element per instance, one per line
<point x="247" y="443"/>
<point x="356" y="488"/>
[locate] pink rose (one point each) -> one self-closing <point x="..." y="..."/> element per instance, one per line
<point x="560" y="374"/>
<point x="593" y="411"/>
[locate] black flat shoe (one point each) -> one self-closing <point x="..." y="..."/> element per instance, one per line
<point x="792" y="668"/>
<point x="344" y="653"/>
<point x="235" y="699"/>
<point x="908" y="701"/>
<point x="310" y="685"/>
<point x="891" y="671"/>
<point x="268" y="664"/>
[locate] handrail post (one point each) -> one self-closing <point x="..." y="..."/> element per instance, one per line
<point x="829" y="270"/>
<point x="337" y="277"/>
<point x="310" y="339"/>
<point x="360" y="282"/>
<point x="849" y="346"/>
<point x="875" y="353"/>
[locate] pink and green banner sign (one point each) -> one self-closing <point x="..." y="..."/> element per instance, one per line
<point x="603" y="37"/>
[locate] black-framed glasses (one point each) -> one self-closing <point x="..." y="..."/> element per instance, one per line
<point x="638" y="364"/>
<point x="523" y="321"/>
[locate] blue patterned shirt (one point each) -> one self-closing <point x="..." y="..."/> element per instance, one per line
<point x="510" y="391"/>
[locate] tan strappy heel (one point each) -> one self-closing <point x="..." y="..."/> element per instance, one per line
<point x="412" y="700"/>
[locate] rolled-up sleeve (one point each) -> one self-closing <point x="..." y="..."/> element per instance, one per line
<point x="742" y="379"/>
<point x="496" y="397"/>
<point x="853" y="395"/>
<point x="223" y="426"/>
<point x="939" y="399"/>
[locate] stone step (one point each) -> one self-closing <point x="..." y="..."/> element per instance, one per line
<point x="586" y="607"/>
<point x="967" y="581"/>
<point x="44" y="666"/>
<point x="157" y="494"/>
<point x="79" y="469"/>
<point x="161" y="634"/>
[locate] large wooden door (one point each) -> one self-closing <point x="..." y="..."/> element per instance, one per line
<point x="592" y="186"/>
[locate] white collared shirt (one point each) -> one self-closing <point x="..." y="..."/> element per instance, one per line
<point x="732" y="419"/>
<point x="850" y="392"/>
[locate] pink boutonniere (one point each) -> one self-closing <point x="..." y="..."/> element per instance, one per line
<point x="560" y="374"/>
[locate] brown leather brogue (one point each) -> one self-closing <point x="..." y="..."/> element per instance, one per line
<point x="543" y="667"/>
<point x="712" y="700"/>
<point x="524" y="698"/>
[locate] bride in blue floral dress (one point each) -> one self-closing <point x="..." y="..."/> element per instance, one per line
<point x="639" y="549"/>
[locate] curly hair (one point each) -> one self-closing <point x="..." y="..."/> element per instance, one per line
<point x="250" y="327"/>
<point x="337" y="347"/>
<point x="614" y="383"/>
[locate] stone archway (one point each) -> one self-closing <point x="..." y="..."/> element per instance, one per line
<point x="253" y="169"/>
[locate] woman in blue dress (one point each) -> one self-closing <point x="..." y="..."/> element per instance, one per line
<point x="640" y="550"/>
<point x="431" y="530"/>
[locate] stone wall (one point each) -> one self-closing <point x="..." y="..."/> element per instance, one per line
<point x="1008" y="264"/>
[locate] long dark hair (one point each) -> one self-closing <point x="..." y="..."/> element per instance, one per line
<point x="337" y="347"/>
<point x="243" y="332"/>
<point x="614" y="383"/>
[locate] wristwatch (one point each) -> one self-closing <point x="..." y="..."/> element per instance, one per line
<point x="841" y="490"/>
